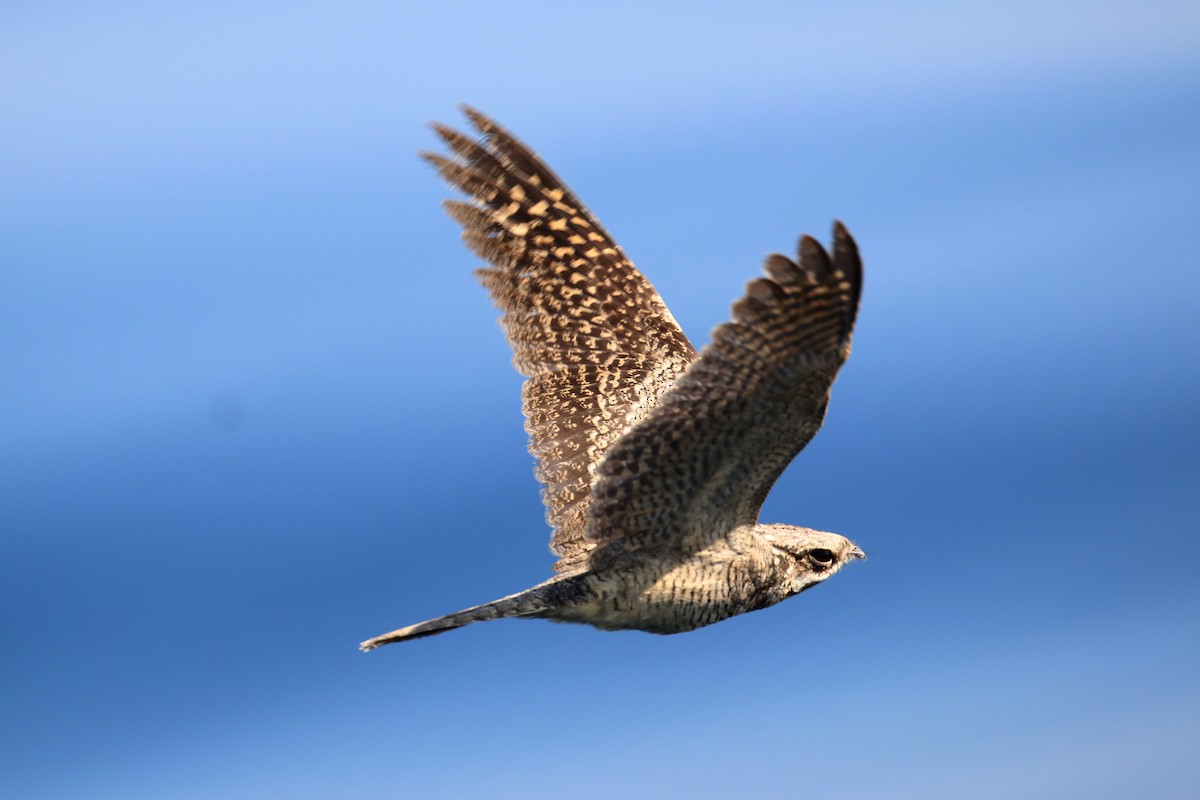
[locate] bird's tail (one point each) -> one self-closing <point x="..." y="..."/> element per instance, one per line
<point x="523" y="604"/>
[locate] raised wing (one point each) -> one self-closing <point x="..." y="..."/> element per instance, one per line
<point x="595" y="340"/>
<point x="703" y="461"/>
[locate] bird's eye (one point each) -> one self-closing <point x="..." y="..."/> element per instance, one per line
<point x="821" y="555"/>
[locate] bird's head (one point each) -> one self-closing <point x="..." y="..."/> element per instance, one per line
<point x="814" y="555"/>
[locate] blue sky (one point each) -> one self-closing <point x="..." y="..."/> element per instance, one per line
<point x="258" y="410"/>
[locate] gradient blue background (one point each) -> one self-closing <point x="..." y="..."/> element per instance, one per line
<point x="255" y="408"/>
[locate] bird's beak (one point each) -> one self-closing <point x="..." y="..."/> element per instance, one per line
<point x="857" y="553"/>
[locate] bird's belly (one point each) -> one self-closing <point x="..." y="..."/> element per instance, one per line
<point x="674" y="599"/>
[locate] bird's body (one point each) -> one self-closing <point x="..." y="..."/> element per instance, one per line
<point x="674" y="592"/>
<point x="655" y="458"/>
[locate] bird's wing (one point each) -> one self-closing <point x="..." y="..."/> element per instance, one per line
<point x="704" y="459"/>
<point x="593" y="337"/>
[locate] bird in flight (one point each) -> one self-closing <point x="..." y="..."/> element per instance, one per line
<point x="655" y="458"/>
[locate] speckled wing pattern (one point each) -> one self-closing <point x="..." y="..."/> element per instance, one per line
<point x="703" y="460"/>
<point x="592" y="336"/>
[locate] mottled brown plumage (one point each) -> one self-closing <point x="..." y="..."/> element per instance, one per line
<point x="654" y="460"/>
